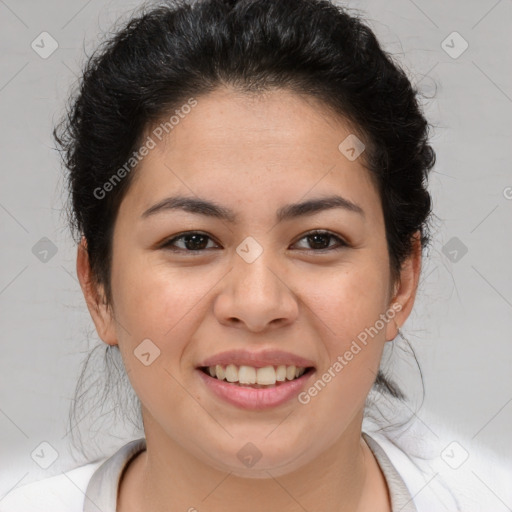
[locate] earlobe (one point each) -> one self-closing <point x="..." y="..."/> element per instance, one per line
<point x="405" y="291"/>
<point x="393" y="324"/>
<point x="94" y="295"/>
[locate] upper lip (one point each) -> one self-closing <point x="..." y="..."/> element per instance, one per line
<point x="257" y="359"/>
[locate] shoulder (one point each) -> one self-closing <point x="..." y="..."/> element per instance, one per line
<point x="427" y="490"/>
<point x="67" y="492"/>
<point x="60" y="493"/>
<point x="445" y="470"/>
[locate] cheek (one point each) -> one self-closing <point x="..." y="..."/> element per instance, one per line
<point x="350" y="313"/>
<point x="350" y="300"/>
<point x="165" y="306"/>
<point x="158" y="309"/>
<point x="155" y="300"/>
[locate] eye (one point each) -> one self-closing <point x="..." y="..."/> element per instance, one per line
<point x="193" y="241"/>
<point x="319" y="240"/>
<point x="196" y="241"/>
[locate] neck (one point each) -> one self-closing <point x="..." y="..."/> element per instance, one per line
<point x="165" y="477"/>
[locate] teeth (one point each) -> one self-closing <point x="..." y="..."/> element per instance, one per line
<point x="290" y="372"/>
<point x="247" y="375"/>
<point x="266" y="376"/>
<point x="231" y="373"/>
<point x="218" y="372"/>
<point x="281" y="373"/>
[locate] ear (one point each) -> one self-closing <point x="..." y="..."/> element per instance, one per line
<point x="405" y="290"/>
<point x="94" y="294"/>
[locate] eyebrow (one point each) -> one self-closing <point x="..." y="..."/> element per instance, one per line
<point x="290" y="211"/>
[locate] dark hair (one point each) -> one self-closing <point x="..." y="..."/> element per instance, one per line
<point x="178" y="50"/>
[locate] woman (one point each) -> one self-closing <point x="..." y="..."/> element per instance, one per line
<point x="249" y="189"/>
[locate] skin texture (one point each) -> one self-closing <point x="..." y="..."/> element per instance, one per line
<point x="252" y="154"/>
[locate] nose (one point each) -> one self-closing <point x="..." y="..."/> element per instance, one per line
<point x="255" y="296"/>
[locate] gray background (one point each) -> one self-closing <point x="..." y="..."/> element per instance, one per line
<point x="462" y="321"/>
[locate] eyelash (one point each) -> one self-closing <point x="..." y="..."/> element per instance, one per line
<point x="341" y="243"/>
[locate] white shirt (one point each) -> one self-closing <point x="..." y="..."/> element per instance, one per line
<point x="415" y="485"/>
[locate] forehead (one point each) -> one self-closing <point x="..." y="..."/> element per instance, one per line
<point x="241" y="149"/>
<point x="230" y="121"/>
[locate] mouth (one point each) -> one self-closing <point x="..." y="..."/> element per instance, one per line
<point x="256" y="378"/>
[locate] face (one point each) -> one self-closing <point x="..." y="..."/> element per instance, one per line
<point x="253" y="282"/>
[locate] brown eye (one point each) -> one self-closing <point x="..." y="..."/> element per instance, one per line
<point x="192" y="241"/>
<point x="321" y="241"/>
<point x="195" y="241"/>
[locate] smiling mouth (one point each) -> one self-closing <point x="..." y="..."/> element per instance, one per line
<point x="256" y="378"/>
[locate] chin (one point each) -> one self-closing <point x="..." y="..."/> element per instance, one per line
<point x="250" y="462"/>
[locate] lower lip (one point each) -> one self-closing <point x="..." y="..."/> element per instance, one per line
<point x="252" y="398"/>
